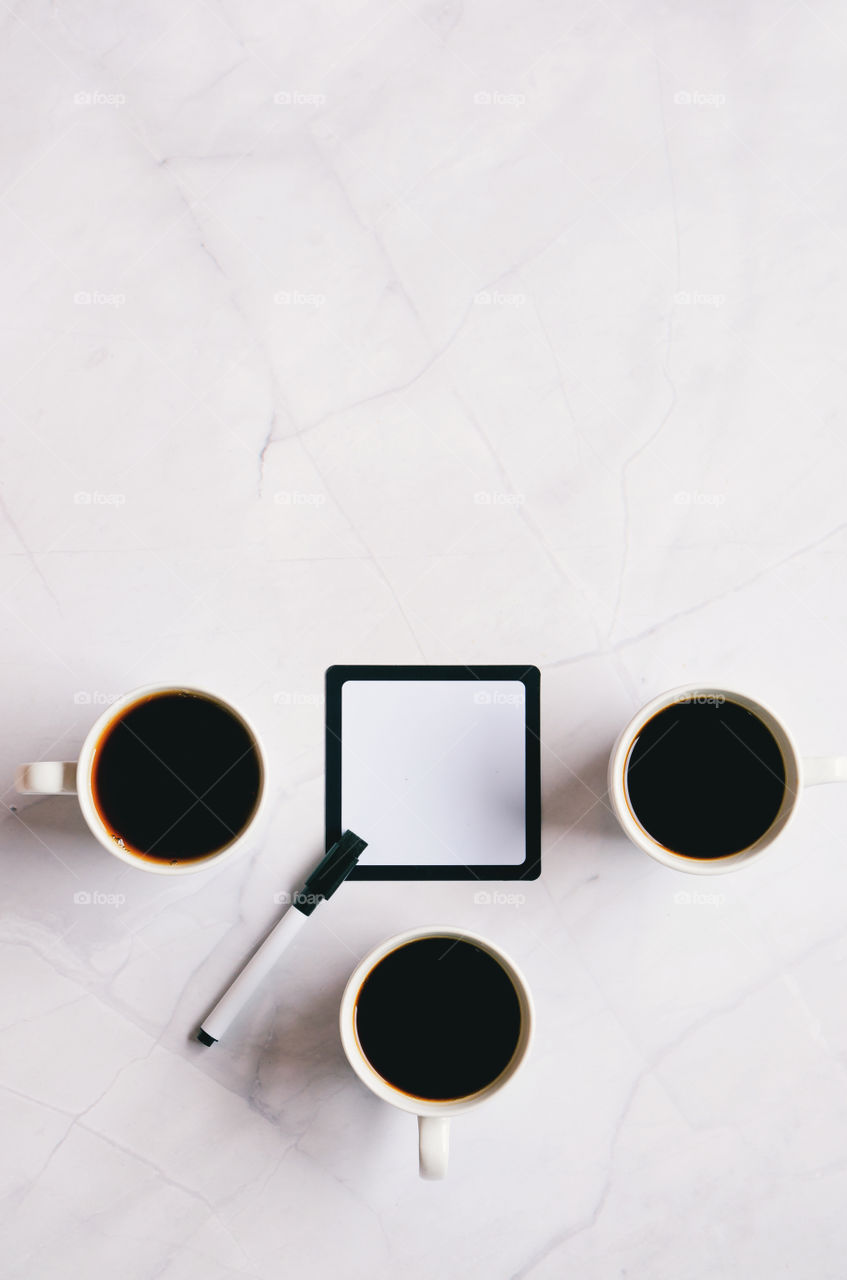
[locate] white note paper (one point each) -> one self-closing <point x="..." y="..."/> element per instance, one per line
<point x="433" y="771"/>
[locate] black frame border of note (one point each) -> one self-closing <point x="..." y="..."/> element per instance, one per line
<point x="530" y="677"/>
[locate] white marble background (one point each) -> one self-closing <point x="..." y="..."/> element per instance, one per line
<point x="402" y="331"/>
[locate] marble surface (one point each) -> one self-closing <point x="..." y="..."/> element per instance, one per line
<point x="402" y="331"/>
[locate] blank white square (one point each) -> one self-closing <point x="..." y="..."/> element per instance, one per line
<point x="433" y="772"/>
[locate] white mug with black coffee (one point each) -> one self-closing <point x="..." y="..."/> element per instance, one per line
<point x="435" y="1021"/>
<point x="170" y="778"/>
<point x="704" y="779"/>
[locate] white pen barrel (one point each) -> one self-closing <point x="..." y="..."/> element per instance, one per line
<point x="257" y="968"/>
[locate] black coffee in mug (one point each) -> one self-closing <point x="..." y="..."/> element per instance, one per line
<point x="438" y="1018"/>
<point x="705" y="777"/>
<point x="176" y="776"/>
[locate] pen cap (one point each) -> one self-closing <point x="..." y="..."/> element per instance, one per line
<point x="331" y="871"/>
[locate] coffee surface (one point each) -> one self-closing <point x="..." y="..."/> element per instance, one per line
<point x="176" y="777"/>
<point x="438" y="1018"/>
<point x="705" y="778"/>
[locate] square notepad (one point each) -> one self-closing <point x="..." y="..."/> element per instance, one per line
<point x="438" y="768"/>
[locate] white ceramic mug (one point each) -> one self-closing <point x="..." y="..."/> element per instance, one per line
<point x="433" y="1116"/>
<point x="799" y="772"/>
<point x="74" y="777"/>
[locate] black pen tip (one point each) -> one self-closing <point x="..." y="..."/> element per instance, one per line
<point x="205" y="1038"/>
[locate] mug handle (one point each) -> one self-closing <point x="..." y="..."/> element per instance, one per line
<point x="46" y="778"/>
<point x="433" y="1146"/>
<point x="817" y="769"/>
